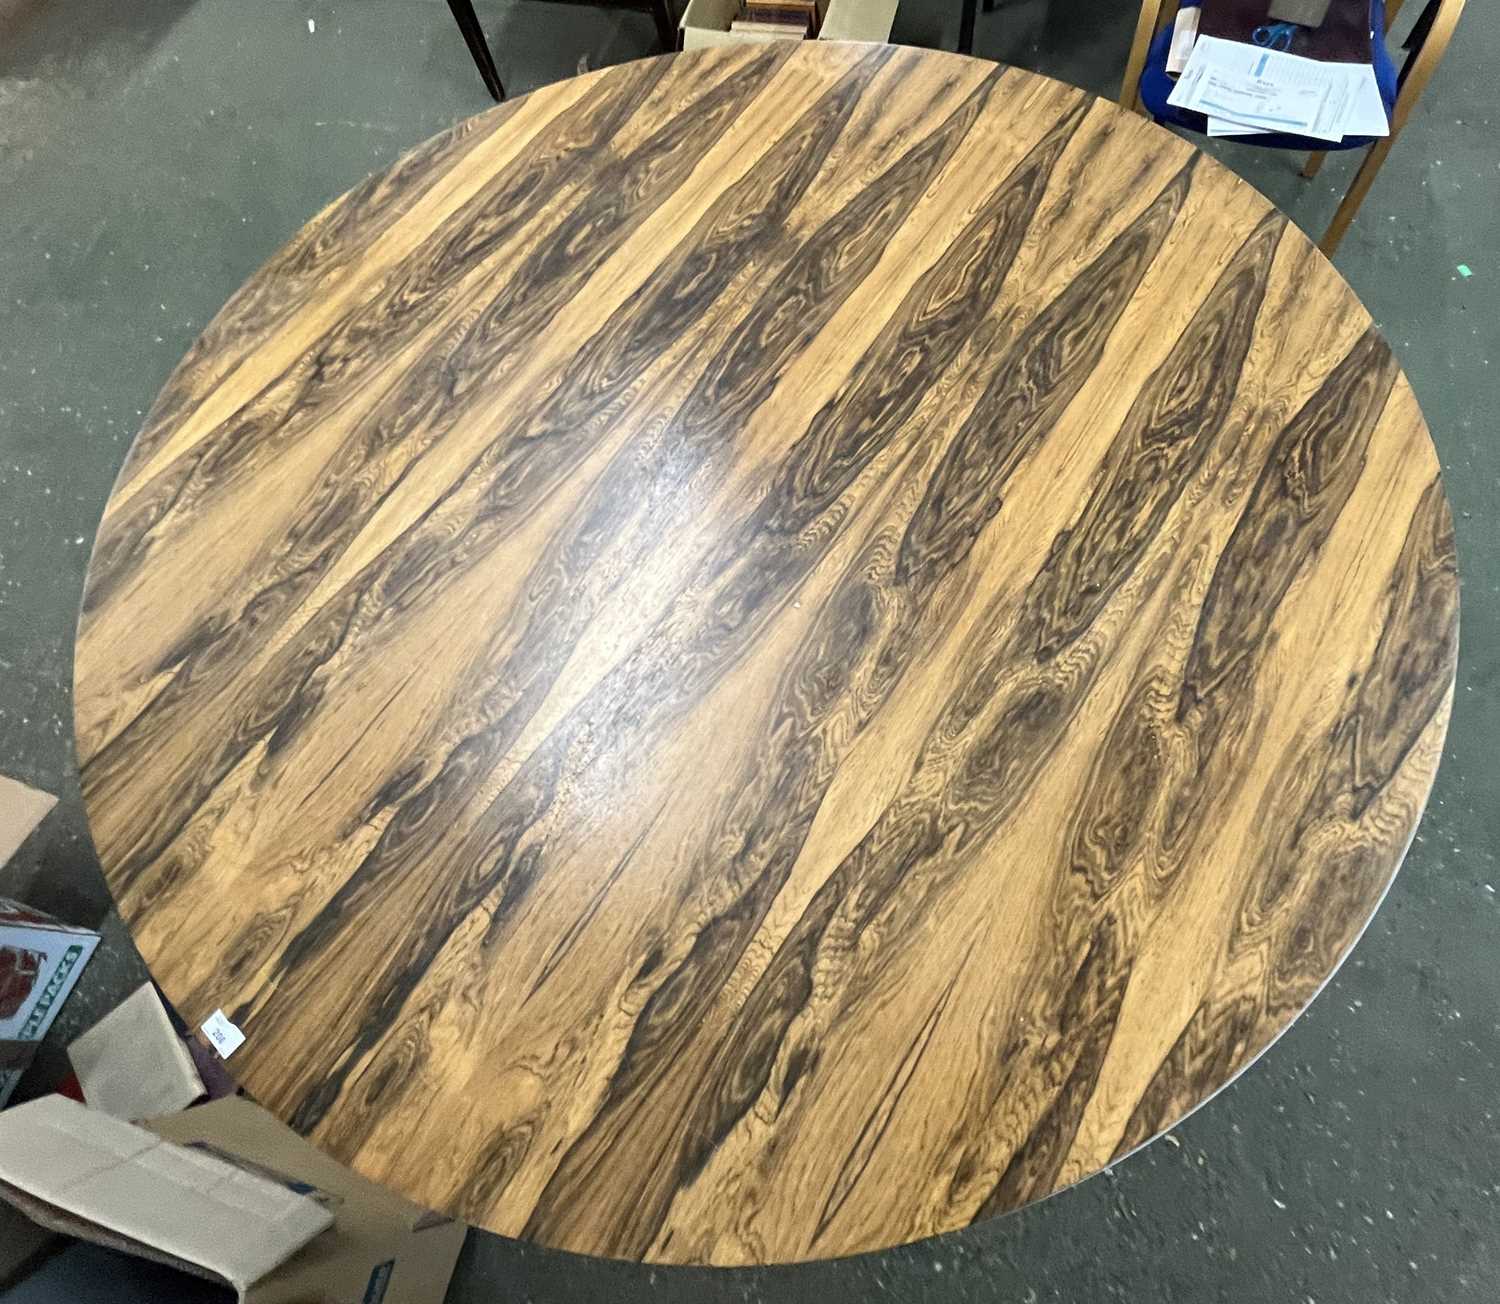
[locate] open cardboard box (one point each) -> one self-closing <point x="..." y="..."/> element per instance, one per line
<point x="225" y="1192"/>
<point x="706" y="22"/>
<point x="100" y="1179"/>
<point x="222" y="1191"/>
<point x="133" y="1065"/>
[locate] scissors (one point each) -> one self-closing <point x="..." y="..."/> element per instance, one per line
<point x="1275" y="36"/>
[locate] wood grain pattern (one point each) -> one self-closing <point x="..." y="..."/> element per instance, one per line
<point x="768" y="652"/>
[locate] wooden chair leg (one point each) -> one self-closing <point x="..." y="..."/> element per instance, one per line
<point x="1423" y="63"/>
<point x="1414" y="79"/>
<point x="1146" y="26"/>
<point x="1317" y="158"/>
<point x="468" y="24"/>
<point x="1363" y="180"/>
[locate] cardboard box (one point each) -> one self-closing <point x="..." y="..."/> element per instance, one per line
<point x="381" y="1249"/>
<point x="706" y="23"/>
<point x="226" y="1192"/>
<point x="85" y="1174"/>
<point x="40" y="958"/>
<point x="40" y="963"/>
<point x="21" y="810"/>
<point x="132" y="1064"/>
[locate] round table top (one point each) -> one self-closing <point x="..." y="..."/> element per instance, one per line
<point x="767" y="652"/>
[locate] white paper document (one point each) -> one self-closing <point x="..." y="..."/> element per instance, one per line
<point x="1367" y="115"/>
<point x="1225" y="127"/>
<point x="1184" y="33"/>
<point x="1244" y="89"/>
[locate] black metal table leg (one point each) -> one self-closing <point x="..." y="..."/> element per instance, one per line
<point x="966" y="26"/>
<point x="666" y="28"/>
<point x="468" y="24"/>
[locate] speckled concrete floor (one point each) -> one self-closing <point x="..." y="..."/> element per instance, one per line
<point x="153" y="153"/>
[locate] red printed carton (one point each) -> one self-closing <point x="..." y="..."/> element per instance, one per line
<point x="40" y="958"/>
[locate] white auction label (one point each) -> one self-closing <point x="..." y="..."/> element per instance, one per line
<point x="225" y="1036"/>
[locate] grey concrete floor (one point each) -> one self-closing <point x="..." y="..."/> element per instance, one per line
<point x="154" y="152"/>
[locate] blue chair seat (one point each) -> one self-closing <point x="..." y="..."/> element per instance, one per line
<point x="1156" y="86"/>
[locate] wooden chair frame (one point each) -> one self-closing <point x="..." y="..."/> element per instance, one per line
<point x="1421" y="63"/>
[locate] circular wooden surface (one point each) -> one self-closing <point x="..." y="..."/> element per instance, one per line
<point x="767" y="652"/>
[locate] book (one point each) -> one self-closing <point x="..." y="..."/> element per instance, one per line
<point x="808" y="8"/>
<point x="787" y="31"/>
<point x="803" y="13"/>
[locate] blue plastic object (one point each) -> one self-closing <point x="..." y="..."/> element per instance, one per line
<point x="1156" y="86"/>
<point x="1275" y="36"/>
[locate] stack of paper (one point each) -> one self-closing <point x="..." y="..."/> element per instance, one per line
<point x="1245" y="90"/>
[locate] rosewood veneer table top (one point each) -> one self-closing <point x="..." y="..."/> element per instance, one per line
<point x="767" y="652"/>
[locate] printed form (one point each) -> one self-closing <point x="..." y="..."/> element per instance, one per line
<point x="1243" y="89"/>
